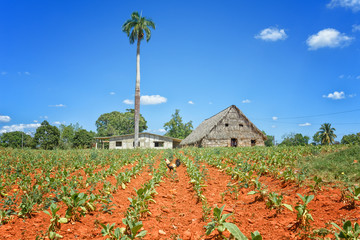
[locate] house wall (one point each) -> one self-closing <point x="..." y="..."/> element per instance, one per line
<point x="237" y="127"/>
<point x="146" y="141"/>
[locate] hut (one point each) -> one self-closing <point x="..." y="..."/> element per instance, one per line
<point x="228" y="128"/>
<point x="146" y="140"/>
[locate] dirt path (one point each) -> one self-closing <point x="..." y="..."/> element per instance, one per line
<point x="176" y="213"/>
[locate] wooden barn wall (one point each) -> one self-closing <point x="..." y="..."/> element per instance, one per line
<point x="238" y="128"/>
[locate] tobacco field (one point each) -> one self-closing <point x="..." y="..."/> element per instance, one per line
<point x="216" y="193"/>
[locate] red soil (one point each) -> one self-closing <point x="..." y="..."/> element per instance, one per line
<point x="178" y="214"/>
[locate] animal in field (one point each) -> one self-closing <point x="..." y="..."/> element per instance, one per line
<point x="172" y="166"/>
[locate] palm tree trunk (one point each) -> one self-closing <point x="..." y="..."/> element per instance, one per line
<point x="137" y="96"/>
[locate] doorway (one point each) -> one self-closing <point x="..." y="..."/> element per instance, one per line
<point x="253" y="143"/>
<point x="234" y="142"/>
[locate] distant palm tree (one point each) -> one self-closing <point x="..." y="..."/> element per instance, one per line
<point x="136" y="28"/>
<point x="326" y="134"/>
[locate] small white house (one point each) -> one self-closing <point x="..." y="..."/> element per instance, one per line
<point x="146" y="140"/>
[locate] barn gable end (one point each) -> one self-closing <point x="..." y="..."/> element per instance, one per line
<point x="230" y="127"/>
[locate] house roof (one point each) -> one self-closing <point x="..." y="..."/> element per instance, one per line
<point x="208" y="124"/>
<point x="143" y="133"/>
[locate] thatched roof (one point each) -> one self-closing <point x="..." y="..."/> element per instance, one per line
<point x="206" y="126"/>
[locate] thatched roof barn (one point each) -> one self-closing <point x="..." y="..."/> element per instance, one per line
<point x="228" y="128"/>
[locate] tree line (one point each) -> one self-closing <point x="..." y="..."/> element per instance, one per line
<point x="119" y="123"/>
<point x="74" y="136"/>
<point x="325" y="136"/>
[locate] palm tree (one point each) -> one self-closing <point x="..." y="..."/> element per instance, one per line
<point x="136" y="28"/>
<point x="326" y="134"/>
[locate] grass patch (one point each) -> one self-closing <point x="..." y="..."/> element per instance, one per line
<point x="339" y="166"/>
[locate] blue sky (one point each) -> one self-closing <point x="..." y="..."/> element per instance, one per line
<point x="288" y="65"/>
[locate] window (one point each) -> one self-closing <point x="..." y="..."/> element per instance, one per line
<point x="241" y="125"/>
<point x="118" y="144"/>
<point x="159" y="144"/>
<point x="226" y="124"/>
<point x="138" y="144"/>
<point x="253" y="143"/>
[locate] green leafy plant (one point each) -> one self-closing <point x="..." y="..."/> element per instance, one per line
<point x="75" y="205"/>
<point x="114" y="234"/>
<point x="347" y="232"/>
<point x="303" y="213"/>
<point x="219" y="223"/>
<point x="55" y="222"/>
<point x="317" y="185"/>
<point x="352" y="195"/>
<point x="275" y="202"/>
<point x="260" y="189"/>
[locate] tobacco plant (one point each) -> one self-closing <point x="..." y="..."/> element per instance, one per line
<point x="221" y="225"/>
<point x="347" y="231"/>
<point x="352" y="195"/>
<point x="260" y="189"/>
<point x="55" y="222"/>
<point x="275" y="202"/>
<point x="317" y="185"/>
<point x="303" y="213"/>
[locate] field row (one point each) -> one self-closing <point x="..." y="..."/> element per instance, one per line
<point x="132" y="194"/>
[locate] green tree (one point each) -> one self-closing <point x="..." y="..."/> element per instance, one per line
<point x="16" y="139"/>
<point x="351" y="139"/>
<point x="326" y="134"/>
<point x="316" y="139"/>
<point x="67" y="134"/>
<point x="136" y="28"/>
<point x="47" y="136"/>
<point x="176" y="128"/>
<point x="269" y="141"/>
<point x="83" y="139"/>
<point x="293" y="139"/>
<point x="117" y="123"/>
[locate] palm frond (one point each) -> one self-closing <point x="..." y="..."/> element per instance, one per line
<point x="148" y="33"/>
<point x="135" y="15"/>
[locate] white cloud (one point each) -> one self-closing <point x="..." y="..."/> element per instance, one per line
<point x="352" y="95"/>
<point x="246" y="101"/>
<point x="19" y="127"/>
<point x="162" y="130"/>
<point x="272" y="34"/>
<point x="358" y="77"/>
<point x="3" y="73"/>
<point x="45" y="117"/>
<point x="152" y="99"/>
<point x="190" y="102"/>
<point x="148" y="100"/>
<point x="352" y="4"/>
<point x="274" y="118"/>
<point x="58" y="105"/>
<point x="35" y="121"/>
<point x="328" y="37"/>
<point x="27" y="73"/>
<point x="112" y="93"/>
<point x="273" y="126"/>
<point x="128" y="101"/>
<point x="210" y="103"/>
<point x="304" y="124"/>
<point x="335" y="96"/>
<point x="341" y="76"/>
<point x="356" y="28"/>
<point x="4" y="118"/>
<point x="57" y="122"/>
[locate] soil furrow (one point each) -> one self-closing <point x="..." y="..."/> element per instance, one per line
<point x="176" y="213"/>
